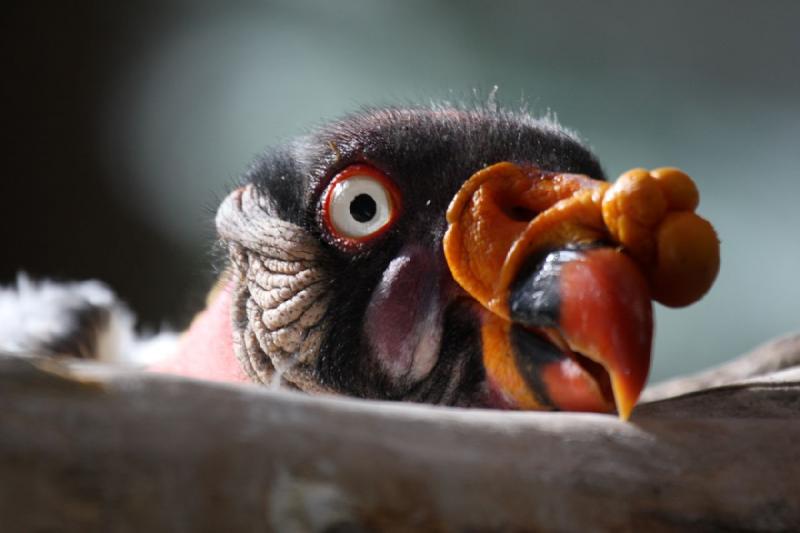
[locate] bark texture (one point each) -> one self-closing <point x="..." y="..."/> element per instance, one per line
<point x="89" y="447"/>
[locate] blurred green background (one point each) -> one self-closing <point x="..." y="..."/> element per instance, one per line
<point x="128" y="122"/>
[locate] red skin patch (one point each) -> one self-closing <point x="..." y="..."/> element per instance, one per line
<point x="571" y="388"/>
<point x="205" y="351"/>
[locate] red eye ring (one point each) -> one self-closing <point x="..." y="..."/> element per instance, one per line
<point x="359" y="205"/>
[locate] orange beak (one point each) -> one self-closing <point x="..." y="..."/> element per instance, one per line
<point x="567" y="319"/>
<point x="594" y="306"/>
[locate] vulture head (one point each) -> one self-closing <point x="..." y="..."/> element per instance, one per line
<point x="449" y="256"/>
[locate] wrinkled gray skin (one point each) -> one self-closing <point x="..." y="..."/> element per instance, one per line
<point x="280" y="296"/>
<point x="386" y="320"/>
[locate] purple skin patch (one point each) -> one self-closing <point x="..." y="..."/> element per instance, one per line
<point x="405" y="316"/>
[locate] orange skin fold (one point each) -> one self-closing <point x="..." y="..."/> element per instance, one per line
<point x="656" y="247"/>
<point x="486" y="238"/>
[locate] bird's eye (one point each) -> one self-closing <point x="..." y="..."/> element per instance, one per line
<point x="360" y="204"/>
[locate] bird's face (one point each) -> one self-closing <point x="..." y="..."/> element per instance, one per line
<point x="349" y="274"/>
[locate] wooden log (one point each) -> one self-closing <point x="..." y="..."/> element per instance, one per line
<point x="768" y="358"/>
<point x="87" y="447"/>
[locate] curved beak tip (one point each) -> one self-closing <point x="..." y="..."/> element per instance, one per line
<point x="606" y="314"/>
<point x="624" y="398"/>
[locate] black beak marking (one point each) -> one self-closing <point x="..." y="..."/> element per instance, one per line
<point x="534" y="298"/>
<point x="531" y="354"/>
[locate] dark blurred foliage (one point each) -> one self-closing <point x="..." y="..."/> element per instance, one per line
<point x="61" y="219"/>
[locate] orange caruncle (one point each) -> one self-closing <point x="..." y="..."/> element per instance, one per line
<point x="651" y="214"/>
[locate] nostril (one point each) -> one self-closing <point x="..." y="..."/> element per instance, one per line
<point x="520" y="213"/>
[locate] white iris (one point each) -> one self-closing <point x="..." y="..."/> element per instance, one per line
<point x="360" y="206"/>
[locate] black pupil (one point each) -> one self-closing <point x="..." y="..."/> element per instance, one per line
<point x="363" y="208"/>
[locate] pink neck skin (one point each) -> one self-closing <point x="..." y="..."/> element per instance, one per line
<point x="205" y="350"/>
